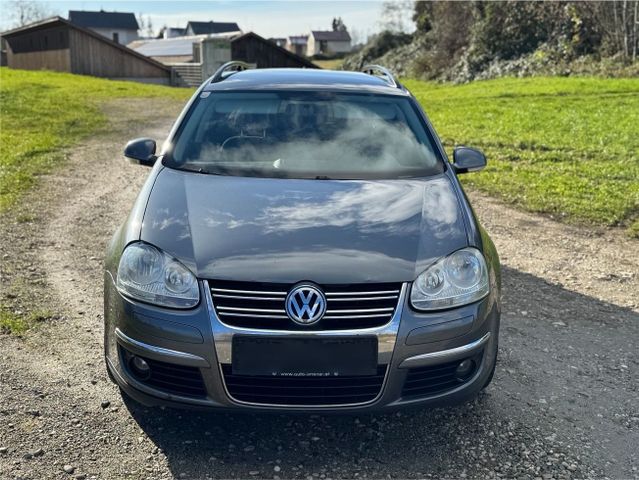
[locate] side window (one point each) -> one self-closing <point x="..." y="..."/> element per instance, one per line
<point x="116" y="37"/>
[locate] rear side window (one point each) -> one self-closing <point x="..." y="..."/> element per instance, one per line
<point x="305" y="135"/>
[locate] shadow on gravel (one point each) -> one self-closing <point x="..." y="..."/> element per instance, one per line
<point x="560" y="391"/>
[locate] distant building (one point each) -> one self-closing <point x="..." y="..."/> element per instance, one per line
<point x="197" y="57"/>
<point x="171" y="32"/>
<point x="297" y="44"/>
<point x="183" y="49"/>
<point x="328" y="42"/>
<point x="121" y="27"/>
<point x="208" y="28"/>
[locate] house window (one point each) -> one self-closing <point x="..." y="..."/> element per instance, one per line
<point x="116" y="37"/>
<point x="323" y="46"/>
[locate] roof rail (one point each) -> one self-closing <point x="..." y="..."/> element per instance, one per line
<point x="228" y="69"/>
<point x="381" y="72"/>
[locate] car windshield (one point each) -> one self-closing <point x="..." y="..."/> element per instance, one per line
<point x="305" y="135"/>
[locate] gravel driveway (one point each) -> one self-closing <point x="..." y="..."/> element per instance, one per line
<point x="564" y="402"/>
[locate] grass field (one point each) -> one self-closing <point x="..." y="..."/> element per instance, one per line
<point x="564" y="146"/>
<point x="42" y="113"/>
<point x="333" y="64"/>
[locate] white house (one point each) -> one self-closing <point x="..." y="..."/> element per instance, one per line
<point x="297" y="44"/>
<point x="121" y="27"/>
<point x="328" y="42"/>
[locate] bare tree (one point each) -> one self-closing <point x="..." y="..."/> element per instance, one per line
<point x="141" y="23"/>
<point x="397" y="16"/>
<point x="23" y="12"/>
<point x="635" y="25"/>
<point x="149" y="27"/>
<point x="619" y="26"/>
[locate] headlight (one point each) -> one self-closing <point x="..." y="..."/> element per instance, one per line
<point x="458" y="279"/>
<point x="148" y="274"/>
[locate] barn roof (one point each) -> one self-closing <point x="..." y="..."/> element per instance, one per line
<point x="102" y="19"/>
<point x="204" y="28"/>
<point x="299" y="59"/>
<point x="332" y="36"/>
<point x="46" y="23"/>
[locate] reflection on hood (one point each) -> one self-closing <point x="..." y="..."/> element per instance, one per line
<point x="277" y="230"/>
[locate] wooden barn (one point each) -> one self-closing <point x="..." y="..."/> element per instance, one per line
<point x="251" y="48"/>
<point x="57" y="44"/>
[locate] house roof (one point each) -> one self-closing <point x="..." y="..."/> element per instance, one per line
<point x="102" y="19"/>
<point x="203" y="28"/>
<point x="298" y="39"/>
<point x="332" y="36"/>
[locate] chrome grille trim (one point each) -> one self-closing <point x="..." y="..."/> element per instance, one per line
<point x="382" y="292"/>
<point x="246" y="297"/>
<point x="337" y="317"/>
<point x="254" y="315"/>
<point x="250" y="292"/>
<point x="361" y="310"/>
<point x="262" y="305"/>
<point x="359" y="299"/>
<point x="252" y="310"/>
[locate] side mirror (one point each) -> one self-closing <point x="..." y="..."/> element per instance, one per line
<point x="142" y="151"/>
<point x="466" y="159"/>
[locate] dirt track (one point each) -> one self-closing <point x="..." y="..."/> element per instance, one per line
<point x="563" y="402"/>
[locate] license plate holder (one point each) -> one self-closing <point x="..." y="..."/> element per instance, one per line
<point x="304" y="356"/>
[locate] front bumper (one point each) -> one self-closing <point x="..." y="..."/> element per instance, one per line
<point x="412" y="348"/>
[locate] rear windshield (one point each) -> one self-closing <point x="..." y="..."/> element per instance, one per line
<point x="305" y="135"/>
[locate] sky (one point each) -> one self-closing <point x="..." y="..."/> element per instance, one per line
<point x="266" y="18"/>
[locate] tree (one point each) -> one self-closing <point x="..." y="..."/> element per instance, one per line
<point x="397" y="16"/>
<point x="146" y="25"/>
<point x="149" y="27"/>
<point x="23" y="12"/>
<point x="338" y="25"/>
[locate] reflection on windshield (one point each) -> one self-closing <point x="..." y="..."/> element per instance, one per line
<point x="306" y="136"/>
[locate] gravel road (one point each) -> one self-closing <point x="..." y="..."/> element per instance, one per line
<point x="564" y="401"/>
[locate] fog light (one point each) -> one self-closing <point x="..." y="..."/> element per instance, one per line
<point x="464" y="370"/>
<point x="139" y="367"/>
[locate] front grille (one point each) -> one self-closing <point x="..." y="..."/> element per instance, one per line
<point x="435" y="379"/>
<point x="307" y="391"/>
<point x="262" y="305"/>
<point x="170" y="378"/>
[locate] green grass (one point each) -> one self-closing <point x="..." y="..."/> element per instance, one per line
<point x="43" y="113"/>
<point x="333" y="64"/>
<point x="562" y="146"/>
<point x="17" y="324"/>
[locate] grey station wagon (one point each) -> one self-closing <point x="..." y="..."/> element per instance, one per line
<point x="302" y="243"/>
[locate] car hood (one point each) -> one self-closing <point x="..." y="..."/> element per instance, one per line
<point x="289" y="230"/>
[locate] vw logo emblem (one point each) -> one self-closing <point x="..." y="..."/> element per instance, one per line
<point x="305" y="304"/>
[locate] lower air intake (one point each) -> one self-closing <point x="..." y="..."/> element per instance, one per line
<point x="304" y="391"/>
